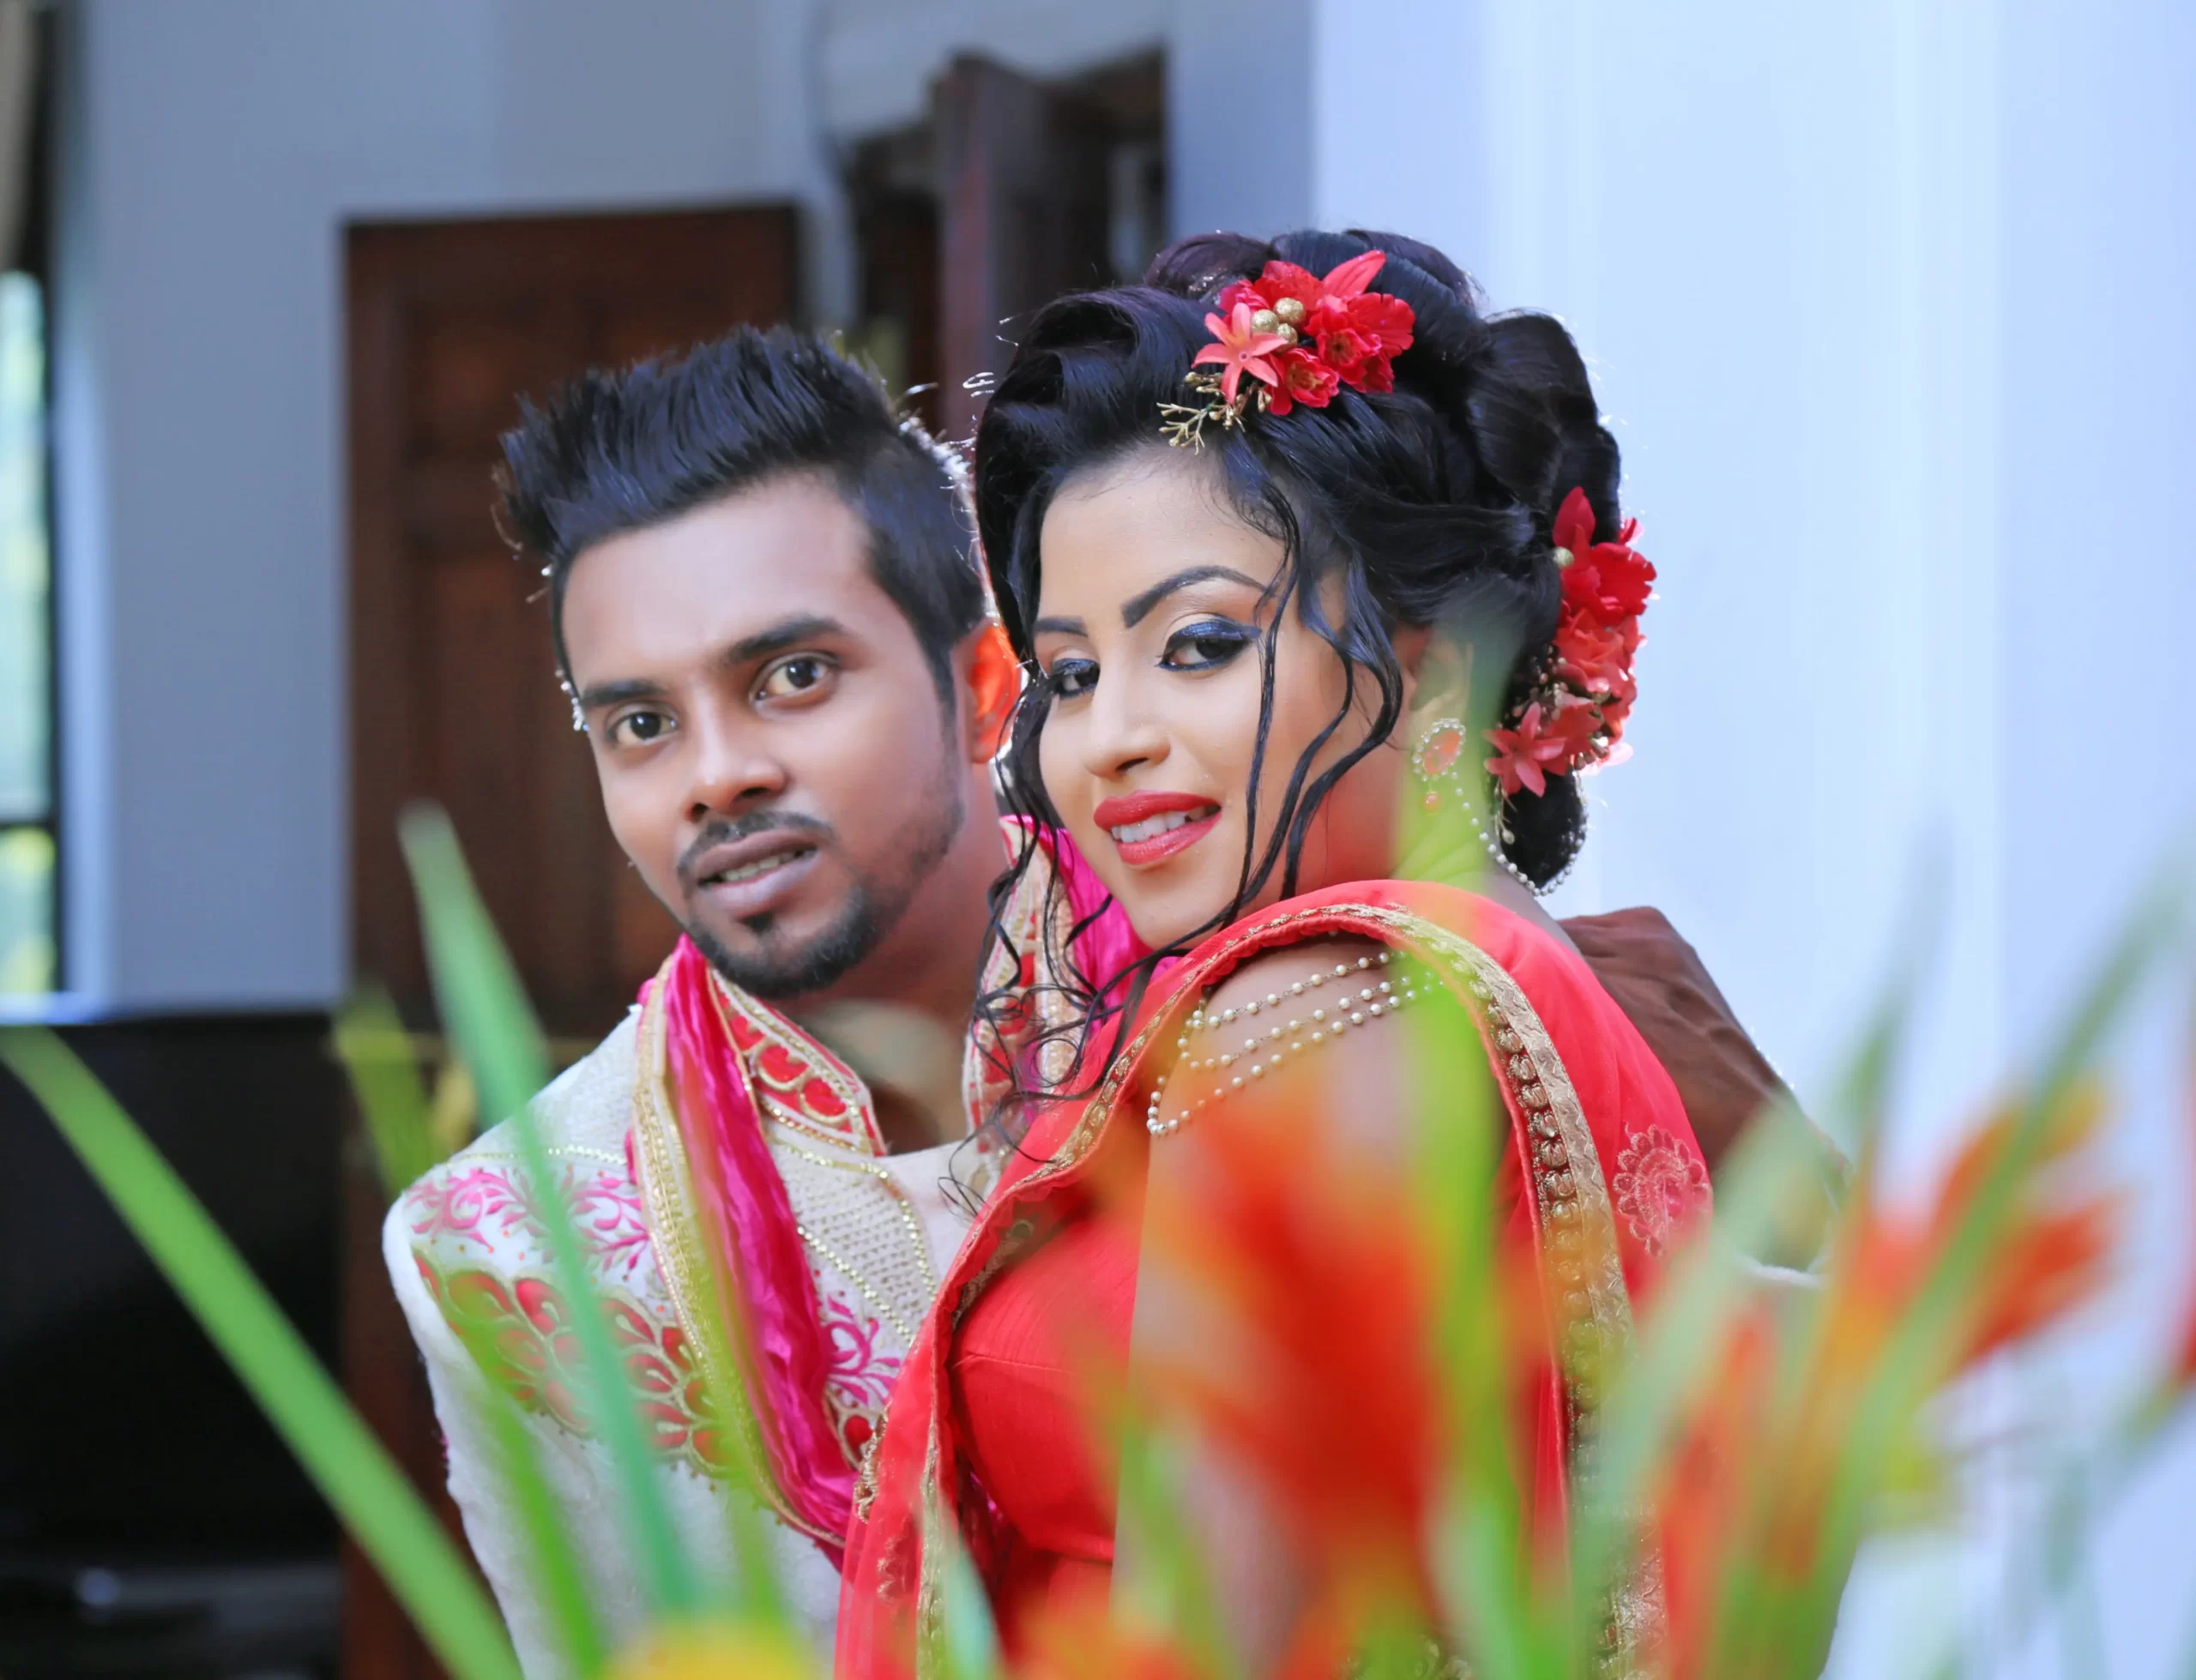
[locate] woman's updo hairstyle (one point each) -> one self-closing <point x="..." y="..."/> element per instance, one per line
<point x="1433" y="502"/>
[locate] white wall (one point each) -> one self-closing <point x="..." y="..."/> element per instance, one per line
<point x="1771" y="232"/>
<point x="1887" y="306"/>
<point x="216" y="150"/>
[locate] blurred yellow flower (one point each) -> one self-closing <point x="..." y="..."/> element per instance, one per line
<point x="714" y="1651"/>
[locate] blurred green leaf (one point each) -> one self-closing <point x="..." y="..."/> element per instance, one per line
<point x="1160" y="1577"/>
<point x="486" y="1014"/>
<point x="555" y="1564"/>
<point x="428" y="1574"/>
<point x="376" y="1052"/>
<point x="382" y="1062"/>
<point x="1947" y="1296"/>
<point x="968" y="1642"/>
<point x="1491" y="1594"/>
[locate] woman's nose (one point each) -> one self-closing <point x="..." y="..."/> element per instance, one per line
<point x="1123" y="735"/>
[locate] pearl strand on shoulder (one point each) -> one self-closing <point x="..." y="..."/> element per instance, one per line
<point x="1328" y="1021"/>
<point x="1539" y="890"/>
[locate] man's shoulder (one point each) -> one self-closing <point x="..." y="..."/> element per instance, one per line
<point x="589" y="1105"/>
<point x="480" y="1206"/>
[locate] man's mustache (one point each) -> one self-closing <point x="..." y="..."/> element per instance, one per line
<point x="746" y="827"/>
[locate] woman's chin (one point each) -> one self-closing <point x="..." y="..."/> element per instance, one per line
<point x="1182" y="917"/>
<point x="1165" y="919"/>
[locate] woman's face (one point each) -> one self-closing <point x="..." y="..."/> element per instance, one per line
<point x="1149" y="624"/>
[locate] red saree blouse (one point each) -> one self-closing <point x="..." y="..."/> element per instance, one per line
<point x="984" y="1431"/>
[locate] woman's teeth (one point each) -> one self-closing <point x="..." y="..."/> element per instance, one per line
<point x="761" y="866"/>
<point x="1152" y="826"/>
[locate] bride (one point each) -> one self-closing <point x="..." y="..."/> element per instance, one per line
<point x="1266" y="531"/>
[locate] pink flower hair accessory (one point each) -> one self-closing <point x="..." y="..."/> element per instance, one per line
<point x="1570" y="717"/>
<point x="1298" y="338"/>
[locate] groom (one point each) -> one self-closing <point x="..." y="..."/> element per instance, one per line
<point x="765" y="603"/>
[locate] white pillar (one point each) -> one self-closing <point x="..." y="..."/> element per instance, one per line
<point x="1887" y="305"/>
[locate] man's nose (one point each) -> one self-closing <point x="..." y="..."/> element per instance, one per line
<point x="732" y="769"/>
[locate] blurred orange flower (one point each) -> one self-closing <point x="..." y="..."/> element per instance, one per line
<point x="1083" y="1640"/>
<point x="1317" y="1377"/>
<point x="1744" y="1498"/>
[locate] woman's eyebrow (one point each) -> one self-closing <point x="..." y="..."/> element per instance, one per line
<point x="1137" y="607"/>
<point x="1059" y="627"/>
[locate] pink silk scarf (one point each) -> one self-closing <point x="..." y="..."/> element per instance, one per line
<point x="763" y="1265"/>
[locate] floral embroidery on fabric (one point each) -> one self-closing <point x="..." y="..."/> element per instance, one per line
<point x="519" y="1331"/>
<point x="861" y="1373"/>
<point x="481" y="1203"/>
<point x="797" y="1082"/>
<point x="1659" y="1187"/>
<point x="861" y="1376"/>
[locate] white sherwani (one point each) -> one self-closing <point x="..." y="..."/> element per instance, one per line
<point x="470" y="1264"/>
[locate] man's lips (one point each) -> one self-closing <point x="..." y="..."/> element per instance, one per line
<point x="747" y="878"/>
<point x="1149" y="827"/>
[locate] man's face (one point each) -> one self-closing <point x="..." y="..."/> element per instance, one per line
<point x="774" y="755"/>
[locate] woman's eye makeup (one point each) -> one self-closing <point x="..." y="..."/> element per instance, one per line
<point x="1071" y="676"/>
<point x="1208" y="644"/>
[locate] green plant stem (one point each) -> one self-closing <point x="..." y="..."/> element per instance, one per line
<point x="488" y="1015"/>
<point x="1914" y="1361"/>
<point x="407" y="1545"/>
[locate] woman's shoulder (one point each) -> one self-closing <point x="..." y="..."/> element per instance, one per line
<point x="1358" y="919"/>
<point x="1391" y="935"/>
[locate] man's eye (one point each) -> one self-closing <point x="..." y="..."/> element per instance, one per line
<point x="639" y="728"/>
<point x="1202" y="647"/>
<point x="794" y="676"/>
<point x="1069" y="677"/>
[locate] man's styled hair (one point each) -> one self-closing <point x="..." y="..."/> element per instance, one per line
<point x="611" y="453"/>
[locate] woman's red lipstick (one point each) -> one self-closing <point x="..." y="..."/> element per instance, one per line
<point x="1131" y="810"/>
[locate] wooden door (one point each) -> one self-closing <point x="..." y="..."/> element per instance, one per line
<point x="1023" y="196"/>
<point x="454" y="694"/>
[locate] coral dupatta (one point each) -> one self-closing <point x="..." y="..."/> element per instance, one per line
<point x="1608" y="1171"/>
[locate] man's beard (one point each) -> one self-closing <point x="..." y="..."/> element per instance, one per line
<point x="874" y="910"/>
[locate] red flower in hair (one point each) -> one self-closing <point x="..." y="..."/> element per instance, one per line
<point x="1609" y="580"/>
<point x="1333" y="333"/>
<point x="1275" y="281"/>
<point x="1385" y="321"/>
<point x="1348" y="280"/>
<point x="1524" y="757"/>
<point x="1240" y="349"/>
<point x="1342" y="348"/>
<point x="1576" y="722"/>
<point x="1595" y="659"/>
<point x="1573" y="717"/>
<point x="1312" y="383"/>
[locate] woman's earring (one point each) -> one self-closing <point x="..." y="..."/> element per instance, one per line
<point x="1434" y="758"/>
<point x="1437" y="759"/>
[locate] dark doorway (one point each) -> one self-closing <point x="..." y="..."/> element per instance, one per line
<point x="1012" y="191"/>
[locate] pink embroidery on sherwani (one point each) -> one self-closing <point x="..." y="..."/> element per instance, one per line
<point x="484" y="1204"/>
<point x="861" y="1375"/>
<point x="460" y="1203"/>
<point x="611" y="1219"/>
<point x="520" y="1334"/>
<point x="1659" y="1186"/>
